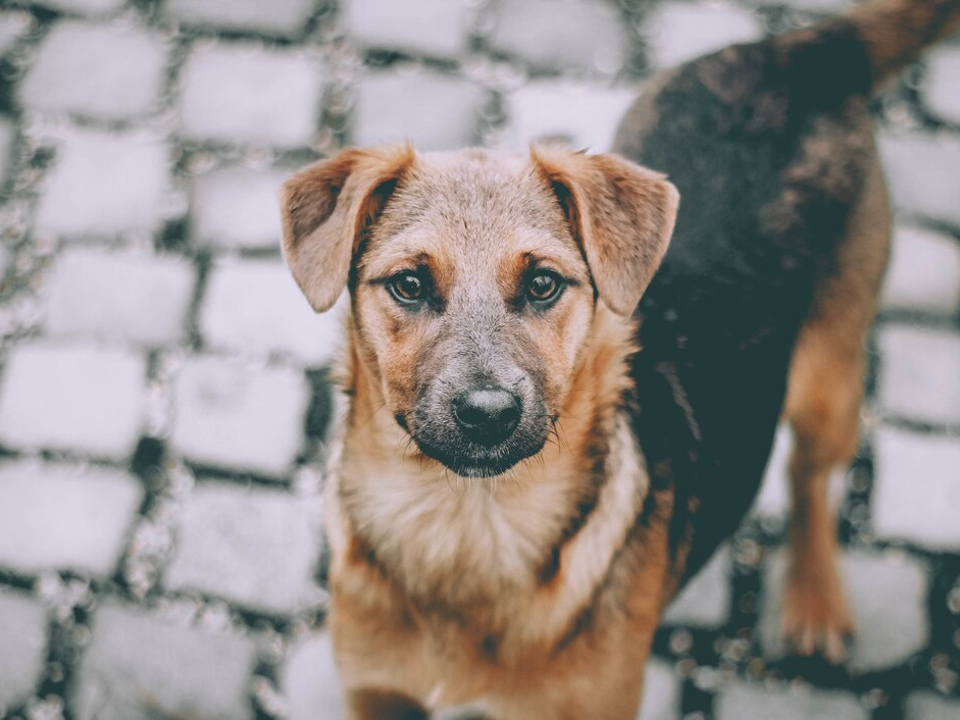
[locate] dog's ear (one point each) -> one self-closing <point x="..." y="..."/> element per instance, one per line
<point x="622" y="215"/>
<point x="327" y="207"/>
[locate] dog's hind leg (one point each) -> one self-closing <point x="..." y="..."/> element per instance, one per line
<point x="822" y="406"/>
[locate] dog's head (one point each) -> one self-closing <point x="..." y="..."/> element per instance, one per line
<point x="474" y="280"/>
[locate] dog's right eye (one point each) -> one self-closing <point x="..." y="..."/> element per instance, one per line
<point x="406" y="287"/>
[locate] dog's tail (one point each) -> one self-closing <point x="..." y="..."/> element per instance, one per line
<point x="893" y="33"/>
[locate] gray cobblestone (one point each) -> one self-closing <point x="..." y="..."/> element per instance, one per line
<point x="284" y="17"/>
<point x="819" y="6"/>
<point x="436" y="28"/>
<point x="84" y="7"/>
<point x="23" y="640"/>
<point x="677" y="32"/>
<point x="582" y="115"/>
<point x="773" y="500"/>
<point x="923" y="173"/>
<point x="255" y="547"/>
<point x="254" y="306"/>
<point x="72" y="397"/>
<point x="778" y="703"/>
<point x="237" y="208"/>
<point x="309" y="680"/>
<point x="104" y="184"/>
<point x="139" y="297"/>
<point x="661" y="693"/>
<point x="924" y="272"/>
<point x="887" y="594"/>
<point x="917" y="488"/>
<point x="13" y="25"/>
<point x="60" y="517"/>
<point x="140" y="667"/>
<point x="7" y="132"/>
<point x="705" y="601"/>
<point x="920" y="374"/>
<point x="241" y="92"/>
<point x="927" y="706"/>
<point x="244" y="418"/>
<point x="384" y="112"/>
<point x="95" y="70"/>
<point x="575" y="34"/>
<point x="941" y="90"/>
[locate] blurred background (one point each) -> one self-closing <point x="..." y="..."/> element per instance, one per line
<point x="163" y="387"/>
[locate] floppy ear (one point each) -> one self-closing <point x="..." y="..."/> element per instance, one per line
<point x="327" y="207"/>
<point x="622" y="215"/>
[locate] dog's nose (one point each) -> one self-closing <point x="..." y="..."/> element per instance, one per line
<point x="488" y="415"/>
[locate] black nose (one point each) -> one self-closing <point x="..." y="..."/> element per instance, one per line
<point x="488" y="415"/>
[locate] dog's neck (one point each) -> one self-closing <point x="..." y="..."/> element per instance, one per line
<point x="461" y="546"/>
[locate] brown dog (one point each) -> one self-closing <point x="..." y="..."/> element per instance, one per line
<point x="516" y="490"/>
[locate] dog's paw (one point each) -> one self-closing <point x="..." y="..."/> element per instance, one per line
<point x="815" y="617"/>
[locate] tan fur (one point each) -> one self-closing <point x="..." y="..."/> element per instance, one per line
<point x="822" y="407"/>
<point x="625" y="218"/>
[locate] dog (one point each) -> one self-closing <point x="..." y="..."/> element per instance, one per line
<point x="555" y="413"/>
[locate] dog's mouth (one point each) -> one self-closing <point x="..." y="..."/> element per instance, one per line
<point x="477" y="462"/>
<point x="449" y="447"/>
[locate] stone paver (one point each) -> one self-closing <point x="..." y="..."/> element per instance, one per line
<point x="139" y="667"/>
<point x="583" y="34"/>
<point x="705" y="601"/>
<point x="255" y="306"/>
<point x="104" y="184"/>
<point x="581" y="115"/>
<point x="96" y="70"/>
<point x="384" y="113"/>
<point x="680" y="31"/>
<point x="941" y="89"/>
<point x="139" y="297"/>
<point x="237" y="208"/>
<point x="887" y="595"/>
<point x="920" y="374"/>
<point x="927" y="706"/>
<point x="773" y="500"/>
<point x="63" y="517"/>
<point x="7" y="132"/>
<point x="23" y="641"/>
<point x="435" y="28"/>
<point x="242" y="418"/>
<point x="661" y="693"/>
<point x="13" y="25"/>
<point x="924" y="272"/>
<point x="917" y="488"/>
<point x="281" y="17"/>
<point x="309" y="680"/>
<point x="258" y="547"/>
<point x="96" y="8"/>
<point x="745" y="700"/>
<point x="923" y="174"/>
<point x="246" y="93"/>
<point x="72" y="397"/>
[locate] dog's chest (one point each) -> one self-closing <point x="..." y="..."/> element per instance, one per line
<point x="430" y="529"/>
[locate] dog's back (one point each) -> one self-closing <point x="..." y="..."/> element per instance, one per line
<point x="771" y="147"/>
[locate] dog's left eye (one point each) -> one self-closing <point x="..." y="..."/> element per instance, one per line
<point x="406" y="287"/>
<point x="543" y="287"/>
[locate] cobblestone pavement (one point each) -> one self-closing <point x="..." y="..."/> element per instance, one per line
<point x="163" y="391"/>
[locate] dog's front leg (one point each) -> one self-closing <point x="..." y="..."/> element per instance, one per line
<point x="367" y="704"/>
